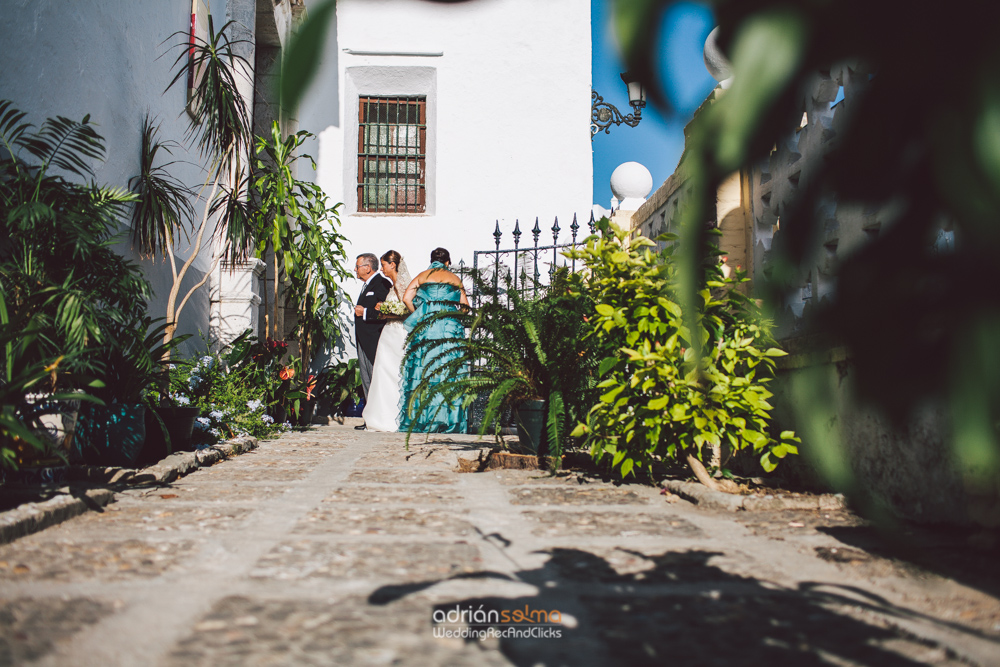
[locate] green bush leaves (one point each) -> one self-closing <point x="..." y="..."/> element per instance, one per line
<point x="660" y="402"/>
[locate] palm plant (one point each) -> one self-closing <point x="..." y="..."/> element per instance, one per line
<point x="521" y="349"/>
<point x="56" y="259"/>
<point x="219" y="130"/>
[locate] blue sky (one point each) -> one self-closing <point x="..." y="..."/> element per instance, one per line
<point x="656" y="142"/>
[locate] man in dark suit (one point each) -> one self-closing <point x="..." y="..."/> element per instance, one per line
<point x="367" y="325"/>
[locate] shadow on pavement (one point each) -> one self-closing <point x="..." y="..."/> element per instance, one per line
<point x="677" y="608"/>
<point x="967" y="555"/>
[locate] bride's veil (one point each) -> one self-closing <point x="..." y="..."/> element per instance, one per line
<point x="403" y="278"/>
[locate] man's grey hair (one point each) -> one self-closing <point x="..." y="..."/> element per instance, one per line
<point x="370" y="259"/>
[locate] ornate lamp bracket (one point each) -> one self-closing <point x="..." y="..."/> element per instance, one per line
<point x="602" y="115"/>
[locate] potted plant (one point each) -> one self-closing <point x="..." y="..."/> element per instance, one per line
<point x="57" y="266"/>
<point x="330" y="388"/>
<point x="24" y="380"/>
<point x="535" y="362"/>
<point x="115" y="433"/>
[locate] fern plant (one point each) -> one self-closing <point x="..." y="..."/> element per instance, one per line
<point x="522" y="349"/>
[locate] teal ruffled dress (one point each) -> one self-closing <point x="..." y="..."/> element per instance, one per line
<point x="437" y="417"/>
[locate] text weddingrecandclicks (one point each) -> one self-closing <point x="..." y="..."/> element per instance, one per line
<point x="526" y="623"/>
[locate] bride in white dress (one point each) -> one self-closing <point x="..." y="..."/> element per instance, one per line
<point x="381" y="412"/>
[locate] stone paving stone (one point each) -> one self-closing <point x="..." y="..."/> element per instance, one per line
<point x="392" y="562"/>
<point x="256" y="473"/>
<point x="30" y="628"/>
<point x="777" y="629"/>
<point x="75" y="560"/>
<point x="402" y="476"/>
<point x="217" y="491"/>
<point x="558" y="523"/>
<point x="382" y="521"/>
<point x="583" y="495"/>
<point x="168" y="516"/>
<point x="540" y="477"/>
<point x="381" y="494"/>
<point x="244" y="632"/>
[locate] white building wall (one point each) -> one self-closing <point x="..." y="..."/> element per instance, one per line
<point x="508" y="88"/>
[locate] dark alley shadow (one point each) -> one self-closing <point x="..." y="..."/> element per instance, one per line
<point x="677" y="608"/>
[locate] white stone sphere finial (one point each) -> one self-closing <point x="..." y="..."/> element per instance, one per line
<point x="715" y="60"/>
<point x="631" y="183"/>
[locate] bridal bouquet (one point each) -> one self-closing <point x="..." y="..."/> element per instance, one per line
<point x="394" y="308"/>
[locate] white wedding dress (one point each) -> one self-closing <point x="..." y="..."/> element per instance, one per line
<point x="381" y="412"/>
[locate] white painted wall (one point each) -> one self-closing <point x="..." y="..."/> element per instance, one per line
<point x="107" y="58"/>
<point x="509" y="103"/>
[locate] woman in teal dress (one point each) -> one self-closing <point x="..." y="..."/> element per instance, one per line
<point x="434" y="290"/>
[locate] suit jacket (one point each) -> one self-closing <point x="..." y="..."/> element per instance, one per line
<point x="368" y="329"/>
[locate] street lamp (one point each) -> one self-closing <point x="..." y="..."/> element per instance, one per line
<point x="602" y="114"/>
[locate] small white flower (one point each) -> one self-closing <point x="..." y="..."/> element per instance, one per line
<point x="202" y="423"/>
<point x="254" y="405"/>
<point x="214" y="432"/>
<point x="217" y="415"/>
<point x="267" y="419"/>
<point x="181" y="399"/>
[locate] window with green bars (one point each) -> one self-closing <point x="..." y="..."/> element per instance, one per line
<point x="392" y="154"/>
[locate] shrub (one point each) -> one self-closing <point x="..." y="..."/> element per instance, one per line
<point x="659" y="402"/>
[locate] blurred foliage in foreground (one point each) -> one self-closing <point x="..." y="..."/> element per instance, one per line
<point x="926" y="137"/>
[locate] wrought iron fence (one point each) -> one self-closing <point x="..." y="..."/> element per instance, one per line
<point x="524" y="272"/>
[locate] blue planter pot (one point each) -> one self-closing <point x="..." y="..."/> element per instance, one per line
<point x="110" y="435"/>
<point x="352" y="409"/>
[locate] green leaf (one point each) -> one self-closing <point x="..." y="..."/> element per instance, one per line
<point x="610" y="396"/>
<point x="305" y="53"/>
<point x="627" y="465"/>
<point x="605" y="310"/>
<point x="766" y="53"/>
<point x="658" y="403"/>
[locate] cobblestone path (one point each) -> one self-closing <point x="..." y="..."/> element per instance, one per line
<point x="336" y="547"/>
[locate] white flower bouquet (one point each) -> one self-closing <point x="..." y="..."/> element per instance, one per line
<point x="394" y="309"/>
